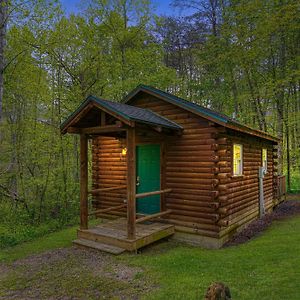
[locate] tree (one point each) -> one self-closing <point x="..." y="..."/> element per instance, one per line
<point x="3" y="25"/>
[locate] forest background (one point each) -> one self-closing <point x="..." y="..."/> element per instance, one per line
<point x="239" y="57"/>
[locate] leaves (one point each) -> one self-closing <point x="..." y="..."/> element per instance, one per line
<point x="237" y="57"/>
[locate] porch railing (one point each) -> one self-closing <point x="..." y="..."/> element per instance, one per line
<point x="281" y="184"/>
<point x="137" y="196"/>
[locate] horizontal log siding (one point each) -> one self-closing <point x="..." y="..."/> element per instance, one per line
<point x="108" y="169"/>
<point x="190" y="166"/>
<point x="239" y="196"/>
<point x="205" y="198"/>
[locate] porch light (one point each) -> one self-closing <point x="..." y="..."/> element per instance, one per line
<point x="124" y="151"/>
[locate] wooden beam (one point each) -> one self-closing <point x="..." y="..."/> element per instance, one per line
<point x="73" y="130"/>
<point x="157" y="128"/>
<point x="113" y="188"/>
<point x="83" y="182"/>
<point x="142" y="195"/>
<point x="131" y="178"/>
<point x="76" y="118"/>
<point x="103" y="118"/>
<point x="114" y="114"/>
<point x="98" y="211"/>
<point x="163" y="175"/>
<point x="103" y="129"/>
<point x="157" y="215"/>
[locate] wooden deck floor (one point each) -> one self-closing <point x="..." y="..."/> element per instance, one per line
<point x="114" y="233"/>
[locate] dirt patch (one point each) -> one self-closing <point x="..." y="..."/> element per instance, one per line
<point x="282" y="211"/>
<point x="71" y="273"/>
<point x="4" y="269"/>
<point x="98" y="262"/>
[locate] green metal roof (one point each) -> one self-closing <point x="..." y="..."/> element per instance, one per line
<point x="220" y="118"/>
<point x="179" y="101"/>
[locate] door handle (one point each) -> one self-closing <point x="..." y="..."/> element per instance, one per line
<point x="137" y="180"/>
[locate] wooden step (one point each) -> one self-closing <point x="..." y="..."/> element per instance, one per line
<point x="104" y="237"/>
<point x="146" y="234"/>
<point x="98" y="246"/>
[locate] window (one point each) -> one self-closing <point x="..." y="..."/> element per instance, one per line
<point x="237" y="159"/>
<point x="264" y="155"/>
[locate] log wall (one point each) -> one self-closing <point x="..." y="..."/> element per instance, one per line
<point x="197" y="166"/>
<point x="190" y="165"/>
<point x="108" y="169"/>
<point x="239" y="195"/>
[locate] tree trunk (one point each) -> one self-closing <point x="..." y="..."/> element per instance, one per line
<point x="288" y="160"/>
<point x="3" y="23"/>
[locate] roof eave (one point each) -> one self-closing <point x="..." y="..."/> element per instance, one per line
<point x="143" y="89"/>
<point x="91" y="100"/>
<point x="228" y="124"/>
<point x="257" y="133"/>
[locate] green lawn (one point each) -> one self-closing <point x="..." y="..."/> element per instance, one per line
<point x="267" y="267"/>
<point x="54" y="240"/>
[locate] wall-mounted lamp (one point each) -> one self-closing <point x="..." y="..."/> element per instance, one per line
<point x="124" y="151"/>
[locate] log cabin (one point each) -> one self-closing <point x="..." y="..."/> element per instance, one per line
<point x="163" y="166"/>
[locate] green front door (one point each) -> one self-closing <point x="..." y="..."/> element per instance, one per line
<point x="148" y="178"/>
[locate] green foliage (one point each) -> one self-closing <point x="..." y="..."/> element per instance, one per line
<point x="54" y="63"/>
<point x="17" y="226"/>
<point x="239" y="57"/>
<point x="295" y="182"/>
<point x="59" y="239"/>
<point x="263" y="268"/>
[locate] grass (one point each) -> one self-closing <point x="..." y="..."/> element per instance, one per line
<point x="295" y="183"/>
<point x="54" y="240"/>
<point x="265" y="268"/>
<point x="58" y="239"/>
<point x="68" y="275"/>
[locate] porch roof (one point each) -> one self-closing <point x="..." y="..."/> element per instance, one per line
<point x="122" y="111"/>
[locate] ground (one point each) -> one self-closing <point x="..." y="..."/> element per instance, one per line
<point x="265" y="267"/>
<point x="255" y="228"/>
<point x="70" y="273"/>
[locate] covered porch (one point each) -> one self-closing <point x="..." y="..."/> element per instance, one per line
<point x="98" y="117"/>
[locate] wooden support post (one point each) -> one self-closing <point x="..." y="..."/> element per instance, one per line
<point x="163" y="206"/>
<point x="131" y="183"/>
<point x="83" y="182"/>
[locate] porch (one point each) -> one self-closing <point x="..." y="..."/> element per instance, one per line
<point x="112" y="236"/>
<point x="122" y="122"/>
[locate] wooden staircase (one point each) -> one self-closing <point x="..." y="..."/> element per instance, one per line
<point x="112" y="236"/>
<point x="83" y="243"/>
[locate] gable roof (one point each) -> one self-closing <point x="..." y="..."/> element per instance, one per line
<point x="202" y="111"/>
<point x="124" y="111"/>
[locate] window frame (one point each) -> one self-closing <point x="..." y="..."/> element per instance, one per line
<point x="241" y="173"/>
<point x="262" y="158"/>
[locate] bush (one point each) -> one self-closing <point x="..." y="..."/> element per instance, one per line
<point x="17" y="226"/>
